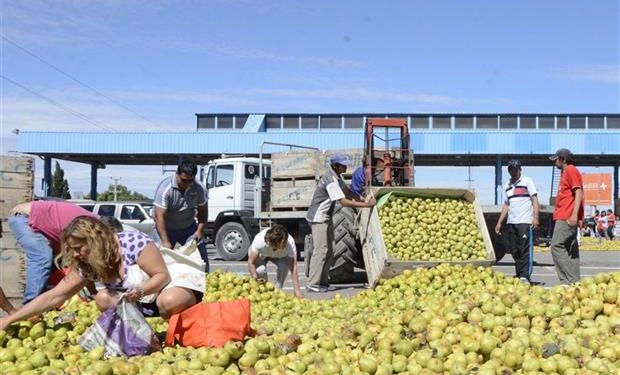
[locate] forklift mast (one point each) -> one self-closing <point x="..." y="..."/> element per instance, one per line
<point x="387" y="156"/>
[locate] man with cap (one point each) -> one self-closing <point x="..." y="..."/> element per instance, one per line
<point x="567" y="215"/>
<point x="330" y="189"/>
<point x="521" y="207"/>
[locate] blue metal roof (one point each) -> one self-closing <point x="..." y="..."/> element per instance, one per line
<point x="430" y="142"/>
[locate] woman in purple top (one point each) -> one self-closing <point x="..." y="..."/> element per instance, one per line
<point x="94" y="252"/>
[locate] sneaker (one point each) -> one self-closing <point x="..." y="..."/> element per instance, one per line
<point x="524" y="280"/>
<point x="316" y="288"/>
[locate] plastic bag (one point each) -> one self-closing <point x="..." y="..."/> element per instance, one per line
<point x="210" y="324"/>
<point x="185" y="271"/>
<point x="135" y="277"/>
<point x="122" y="330"/>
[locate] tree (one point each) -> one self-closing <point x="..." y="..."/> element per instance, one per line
<point x="122" y="194"/>
<point x="60" y="185"/>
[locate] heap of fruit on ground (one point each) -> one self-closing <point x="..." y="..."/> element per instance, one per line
<point x="447" y="319"/>
<point x="431" y="229"/>
<point x="590" y="244"/>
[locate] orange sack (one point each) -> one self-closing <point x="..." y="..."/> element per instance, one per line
<point x="210" y="324"/>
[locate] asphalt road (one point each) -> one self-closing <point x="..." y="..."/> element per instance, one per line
<point x="592" y="262"/>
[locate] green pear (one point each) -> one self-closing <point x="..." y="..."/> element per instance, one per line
<point x="96" y="353"/>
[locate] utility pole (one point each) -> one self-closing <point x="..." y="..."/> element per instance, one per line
<point x="469" y="179"/>
<point x="115" y="179"/>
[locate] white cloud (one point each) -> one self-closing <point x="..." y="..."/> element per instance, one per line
<point x="376" y="95"/>
<point x="257" y="97"/>
<point x="604" y="73"/>
<point x="88" y="23"/>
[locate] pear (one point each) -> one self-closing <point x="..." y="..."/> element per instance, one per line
<point x="234" y="348"/>
<point x="96" y="353"/>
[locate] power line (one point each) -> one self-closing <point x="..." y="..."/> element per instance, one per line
<point x="80" y="82"/>
<point x="63" y="107"/>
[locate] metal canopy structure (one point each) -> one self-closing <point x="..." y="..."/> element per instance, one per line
<point x="436" y="139"/>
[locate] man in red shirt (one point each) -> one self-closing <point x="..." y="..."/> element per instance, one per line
<point x="37" y="227"/>
<point x="568" y="212"/>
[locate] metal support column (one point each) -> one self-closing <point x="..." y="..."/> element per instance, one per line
<point x="616" y="182"/>
<point x="47" y="176"/>
<point x="498" y="180"/>
<point x="93" y="180"/>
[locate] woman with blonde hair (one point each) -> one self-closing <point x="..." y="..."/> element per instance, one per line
<point x="95" y="253"/>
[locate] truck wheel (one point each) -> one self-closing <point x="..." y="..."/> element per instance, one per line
<point x="347" y="253"/>
<point x="232" y="241"/>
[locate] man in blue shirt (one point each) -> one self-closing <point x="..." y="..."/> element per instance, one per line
<point x="358" y="179"/>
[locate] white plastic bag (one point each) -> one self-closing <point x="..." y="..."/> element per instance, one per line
<point x="136" y="276"/>
<point x="122" y="330"/>
<point x="185" y="271"/>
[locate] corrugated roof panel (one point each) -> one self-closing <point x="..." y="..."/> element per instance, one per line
<point x="218" y="142"/>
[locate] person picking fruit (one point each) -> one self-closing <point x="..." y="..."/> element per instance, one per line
<point x="330" y="189"/>
<point x="95" y="253"/>
<point x="521" y="207"/>
<point x="274" y="245"/>
<point x="567" y="214"/>
<point x="37" y="227"/>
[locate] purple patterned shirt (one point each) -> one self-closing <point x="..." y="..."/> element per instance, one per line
<point x="132" y="245"/>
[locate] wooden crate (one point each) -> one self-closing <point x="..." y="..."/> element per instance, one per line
<point x="355" y="154"/>
<point x="292" y="194"/>
<point x="381" y="265"/>
<point x="293" y="164"/>
<point x="12" y="266"/>
<point x="307" y="164"/>
<point x="16" y="186"/>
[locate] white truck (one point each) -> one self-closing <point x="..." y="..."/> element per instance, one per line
<point x="246" y="193"/>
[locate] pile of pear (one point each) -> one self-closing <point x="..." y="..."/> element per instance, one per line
<point x="449" y="319"/>
<point x="431" y="229"/>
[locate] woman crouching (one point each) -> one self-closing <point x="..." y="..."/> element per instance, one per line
<point x="95" y="253"/>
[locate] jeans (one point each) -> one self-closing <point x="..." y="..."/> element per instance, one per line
<point x="181" y="236"/>
<point x="39" y="256"/>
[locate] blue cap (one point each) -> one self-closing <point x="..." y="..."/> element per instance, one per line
<point x="341" y="159"/>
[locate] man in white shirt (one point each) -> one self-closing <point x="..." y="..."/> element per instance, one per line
<point x="521" y="207"/>
<point x="274" y="245"/>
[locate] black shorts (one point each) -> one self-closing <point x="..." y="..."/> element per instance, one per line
<point x="150" y="309"/>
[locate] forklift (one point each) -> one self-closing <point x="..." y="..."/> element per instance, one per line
<point x="388" y="158"/>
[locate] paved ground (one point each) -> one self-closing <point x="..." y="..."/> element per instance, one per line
<point x="592" y="262"/>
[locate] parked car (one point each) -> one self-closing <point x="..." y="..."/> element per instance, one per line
<point x="136" y="214"/>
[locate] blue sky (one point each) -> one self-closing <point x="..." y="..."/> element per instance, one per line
<point x="165" y="61"/>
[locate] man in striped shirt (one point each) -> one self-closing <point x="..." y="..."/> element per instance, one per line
<point x="521" y="207"/>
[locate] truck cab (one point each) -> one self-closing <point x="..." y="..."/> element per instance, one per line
<point x="232" y="185"/>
